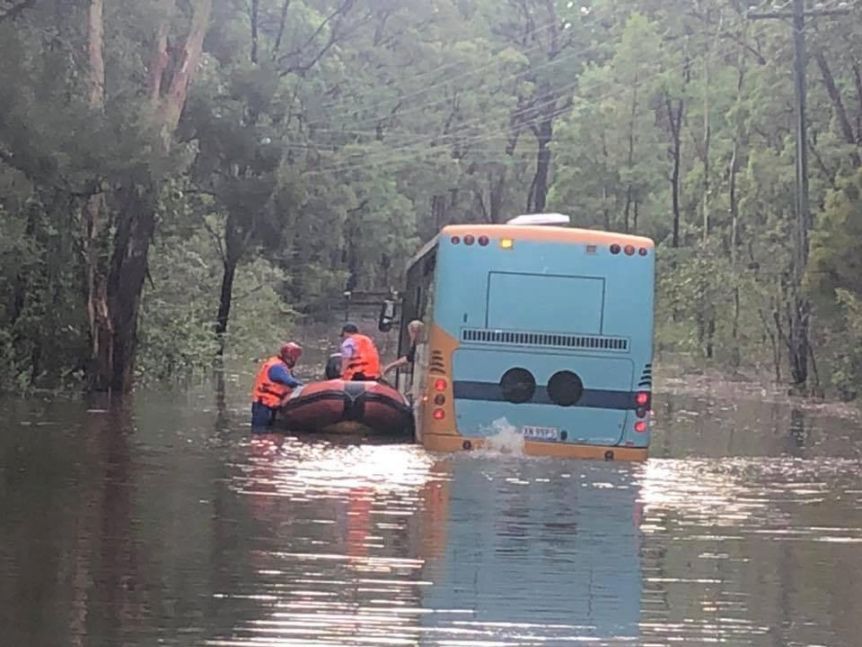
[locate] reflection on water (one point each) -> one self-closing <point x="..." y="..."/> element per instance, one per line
<point x="537" y="552"/>
<point x="168" y="524"/>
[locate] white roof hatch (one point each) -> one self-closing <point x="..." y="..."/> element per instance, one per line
<point x="558" y="219"/>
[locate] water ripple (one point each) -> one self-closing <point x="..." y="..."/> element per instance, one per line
<point x="158" y="527"/>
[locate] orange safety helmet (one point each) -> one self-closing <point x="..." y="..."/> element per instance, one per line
<point x="290" y="353"/>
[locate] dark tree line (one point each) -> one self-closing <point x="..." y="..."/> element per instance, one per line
<point x="178" y="181"/>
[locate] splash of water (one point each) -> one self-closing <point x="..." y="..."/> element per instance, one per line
<point x="503" y="437"/>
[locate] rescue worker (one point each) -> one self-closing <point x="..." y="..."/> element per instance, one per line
<point x="274" y="383"/>
<point x="359" y="357"/>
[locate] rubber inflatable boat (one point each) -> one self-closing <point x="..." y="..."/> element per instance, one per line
<point x="347" y="407"/>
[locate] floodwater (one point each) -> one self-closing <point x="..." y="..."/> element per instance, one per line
<point x="165" y="523"/>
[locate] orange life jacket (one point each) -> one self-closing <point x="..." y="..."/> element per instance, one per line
<point x="266" y="392"/>
<point x="365" y="360"/>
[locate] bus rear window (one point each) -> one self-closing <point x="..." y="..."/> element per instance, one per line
<point x="545" y="303"/>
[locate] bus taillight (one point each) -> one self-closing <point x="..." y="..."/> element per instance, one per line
<point x="642" y="399"/>
<point x="640" y="426"/>
<point x="439" y="384"/>
<point x="438" y="414"/>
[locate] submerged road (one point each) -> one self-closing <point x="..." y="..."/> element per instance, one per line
<point x="164" y="523"/>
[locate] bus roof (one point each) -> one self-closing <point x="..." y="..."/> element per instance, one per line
<point x="548" y="233"/>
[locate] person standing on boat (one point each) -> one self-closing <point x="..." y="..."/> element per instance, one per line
<point x="414" y="331"/>
<point x="360" y="360"/>
<point x="274" y="383"/>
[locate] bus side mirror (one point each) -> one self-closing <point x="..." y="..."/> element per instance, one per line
<point x="387" y="316"/>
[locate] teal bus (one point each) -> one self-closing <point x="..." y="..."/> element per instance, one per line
<point x="536" y="331"/>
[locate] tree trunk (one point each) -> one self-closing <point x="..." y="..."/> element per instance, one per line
<point x="233" y="253"/>
<point x="95" y="52"/>
<point x="733" y="199"/>
<point x="707" y="133"/>
<point x="707" y="127"/>
<point x="735" y="353"/>
<point x="606" y="213"/>
<point x="495" y="197"/>
<point x="171" y="105"/>
<point x="710" y="335"/>
<point x="539" y="191"/>
<point x="225" y="298"/>
<point x="630" y="157"/>
<point x="734" y="205"/>
<point x="675" y="121"/>
<point x="112" y="365"/>
<point x="95" y="215"/>
<point x="96" y="219"/>
<point x="734" y="233"/>
<point x="838" y="104"/>
<point x="281" y="25"/>
<point x="798" y="319"/>
<point x="438" y="211"/>
<point x="160" y="58"/>
<point x="627" y="210"/>
<point x="857" y="82"/>
<point x="255" y="11"/>
<point x="800" y="308"/>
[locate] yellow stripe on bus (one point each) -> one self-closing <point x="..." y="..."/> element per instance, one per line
<point x="437" y="442"/>
<point x="547" y="234"/>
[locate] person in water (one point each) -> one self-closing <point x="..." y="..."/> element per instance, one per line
<point x="273" y="385"/>
<point x="359" y="357"/>
<point x="414" y="331"/>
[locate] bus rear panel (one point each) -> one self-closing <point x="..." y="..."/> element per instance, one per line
<point x="543" y="333"/>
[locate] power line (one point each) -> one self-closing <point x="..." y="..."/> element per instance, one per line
<point x="457" y="64"/>
<point x="421" y="147"/>
<point x="422" y="107"/>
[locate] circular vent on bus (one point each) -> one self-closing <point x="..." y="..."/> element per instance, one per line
<point x="565" y="388"/>
<point x="518" y="385"/>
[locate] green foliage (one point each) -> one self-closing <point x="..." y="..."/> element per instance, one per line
<point x="610" y="150"/>
<point x="177" y="317"/>
<point x="835" y="282"/>
<point x="317" y="155"/>
<point x="836" y="247"/>
<point x="708" y="310"/>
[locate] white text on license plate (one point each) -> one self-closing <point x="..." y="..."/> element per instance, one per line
<point x="540" y="433"/>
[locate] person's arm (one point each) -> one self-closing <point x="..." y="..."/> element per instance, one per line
<point x="347" y="351"/>
<point x="409" y="358"/>
<point x="280" y="374"/>
<point x="401" y="361"/>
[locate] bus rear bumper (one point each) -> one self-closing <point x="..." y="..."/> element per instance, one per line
<point x="451" y="443"/>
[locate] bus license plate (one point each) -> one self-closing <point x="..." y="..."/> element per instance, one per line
<point x="540" y="433"/>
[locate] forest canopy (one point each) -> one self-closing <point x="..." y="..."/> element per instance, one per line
<point x="179" y="179"/>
